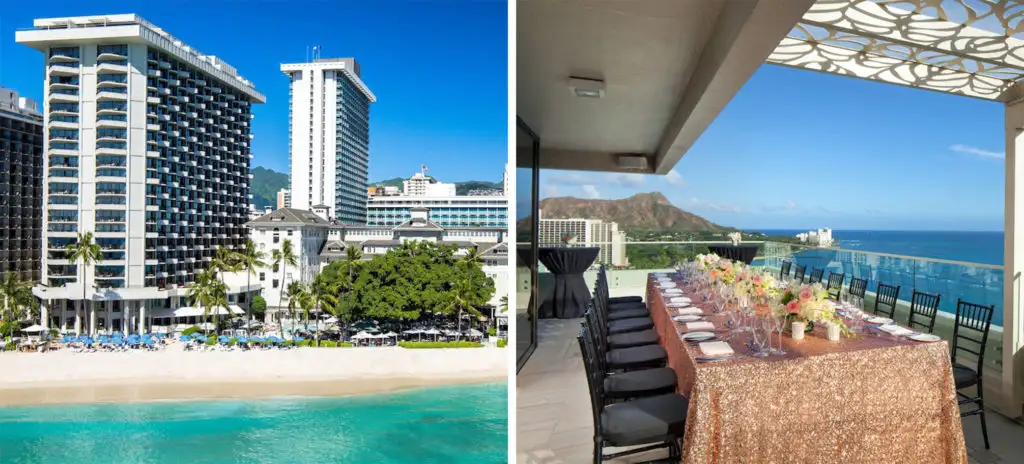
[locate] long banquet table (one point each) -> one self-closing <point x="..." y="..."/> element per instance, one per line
<point x="876" y="399"/>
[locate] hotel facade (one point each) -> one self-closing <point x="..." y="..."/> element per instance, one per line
<point x="21" y="185"/>
<point x="147" y="145"/>
<point x="389" y="209"/>
<point x="329" y="130"/>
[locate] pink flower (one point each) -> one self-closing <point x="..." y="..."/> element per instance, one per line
<point x="806" y="294"/>
<point x="759" y="291"/>
<point x="757" y="280"/>
<point x="793" y="307"/>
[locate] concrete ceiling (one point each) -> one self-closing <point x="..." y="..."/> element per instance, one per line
<point x="668" y="66"/>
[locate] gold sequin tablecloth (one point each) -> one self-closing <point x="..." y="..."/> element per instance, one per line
<point x="868" y="400"/>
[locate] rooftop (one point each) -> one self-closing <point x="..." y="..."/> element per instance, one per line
<point x="132" y="28"/>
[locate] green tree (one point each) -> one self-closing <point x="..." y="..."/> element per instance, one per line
<point x="209" y="293"/>
<point x="323" y="296"/>
<point x="85" y="252"/>
<point x="15" y="297"/>
<point x="297" y="298"/>
<point x="249" y="260"/>
<point x="259" y="306"/>
<point x="283" y="257"/>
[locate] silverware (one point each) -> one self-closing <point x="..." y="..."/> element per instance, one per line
<point x="704" y="359"/>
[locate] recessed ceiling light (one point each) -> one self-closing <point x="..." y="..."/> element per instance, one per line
<point x="587" y="88"/>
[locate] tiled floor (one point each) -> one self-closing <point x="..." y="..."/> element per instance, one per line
<point x="555" y="424"/>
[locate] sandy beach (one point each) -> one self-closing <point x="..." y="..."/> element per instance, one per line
<point x="66" y="377"/>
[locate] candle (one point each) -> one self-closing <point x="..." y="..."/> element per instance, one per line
<point x="833" y="332"/>
<point x="797" y="328"/>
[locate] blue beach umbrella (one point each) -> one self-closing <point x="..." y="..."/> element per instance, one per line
<point x="184" y="338"/>
<point x="223" y="339"/>
<point x="87" y="340"/>
<point x="299" y="339"/>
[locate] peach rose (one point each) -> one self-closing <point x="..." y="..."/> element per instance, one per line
<point x="806" y="294"/>
<point x="759" y="291"/>
<point x="757" y="280"/>
<point x="793" y="307"/>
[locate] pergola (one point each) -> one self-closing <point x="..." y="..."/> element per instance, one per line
<point x="630" y="86"/>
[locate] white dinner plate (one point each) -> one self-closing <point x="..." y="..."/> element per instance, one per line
<point x="687" y="318"/>
<point x="879" y="320"/>
<point x="668" y="285"/>
<point x="672" y="291"/>
<point x="660" y="274"/>
<point x="664" y="279"/>
<point x="924" y="337"/>
<point x="698" y="336"/>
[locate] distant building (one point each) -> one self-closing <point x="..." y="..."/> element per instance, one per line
<point x="447" y="211"/>
<point x="421" y="185"/>
<point x="819" y="238"/>
<point x="504" y="182"/>
<point x="284" y="198"/>
<point x="382" y="190"/>
<point x="21" y="187"/>
<point x="588" y="232"/>
<point x="330" y="136"/>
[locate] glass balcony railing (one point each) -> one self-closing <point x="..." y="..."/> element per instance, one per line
<point x="972" y="282"/>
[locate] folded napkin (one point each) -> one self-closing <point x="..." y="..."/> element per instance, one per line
<point x="718" y="348"/>
<point x="679" y="299"/>
<point x="689" y="310"/>
<point x="700" y="325"/>
<point x="664" y="279"/>
<point x="667" y="285"/>
<point x="895" y="329"/>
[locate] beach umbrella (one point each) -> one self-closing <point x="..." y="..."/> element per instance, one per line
<point x="223" y="339"/>
<point x="87" y="340"/>
<point x="298" y="339"/>
<point x="184" y="338"/>
<point x="34" y="328"/>
<point x="474" y="333"/>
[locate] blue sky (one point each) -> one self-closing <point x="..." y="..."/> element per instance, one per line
<point x="799" y="149"/>
<point x="439" y="69"/>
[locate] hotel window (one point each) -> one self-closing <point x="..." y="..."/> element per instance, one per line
<point x="263" y="276"/>
<point x="275" y="283"/>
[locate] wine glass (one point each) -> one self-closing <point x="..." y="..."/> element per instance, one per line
<point x="779" y="324"/>
<point x="759" y="338"/>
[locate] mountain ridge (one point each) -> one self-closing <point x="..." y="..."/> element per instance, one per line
<point x="643" y="211"/>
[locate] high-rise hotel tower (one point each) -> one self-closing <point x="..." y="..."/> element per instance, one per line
<point x="147" y="146"/>
<point x="330" y="137"/>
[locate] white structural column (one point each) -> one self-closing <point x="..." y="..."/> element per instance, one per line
<point x="142" y="317"/>
<point x="44" y="315"/>
<point x="1013" y="264"/>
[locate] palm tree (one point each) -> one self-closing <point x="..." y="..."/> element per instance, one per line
<point x="209" y="293"/>
<point x="472" y="261"/>
<point x="353" y="258"/>
<point x="461" y="297"/>
<point x="296" y="298"/>
<point x="502" y="307"/>
<point x="283" y="257"/>
<point x="322" y="295"/>
<point x="250" y="259"/>
<point x="14" y="295"/>
<point x="84" y="251"/>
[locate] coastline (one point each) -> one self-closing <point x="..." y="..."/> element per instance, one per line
<point x="28" y="379"/>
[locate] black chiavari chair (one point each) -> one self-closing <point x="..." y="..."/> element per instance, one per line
<point x="799" y="273"/>
<point x="816" y="275"/>
<point x="784" y="271"/>
<point x="835" y="284"/>
<point x="923" y="309"/>
<point x="885" y="299"/>
<point x="650" y="423"/>
<point x="970" y="337"/>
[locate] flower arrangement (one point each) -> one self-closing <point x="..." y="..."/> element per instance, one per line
<point x="569" y="238"/>
<point x="752" y="283"/>
<point x="809" y="303"/>
<point x="724" y="271"/>
<point x="736" y="238"/>
<point x="707" y="261"/>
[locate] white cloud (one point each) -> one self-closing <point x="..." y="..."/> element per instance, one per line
<point x="591" y="192"/>
<point x="790" y="204"/>
<point x="568" y="178"/>
<point x="627" y="180"/>
<point x="977" y="152"/>
<point x="674" y="178"/>
<point x="550" y="191"/>
<point x="724" y="207"/>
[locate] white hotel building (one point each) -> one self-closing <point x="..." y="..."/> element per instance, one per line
<point x="147" y="144"/>
<point x="330" y="137"/>
<point x="446" y="208"/>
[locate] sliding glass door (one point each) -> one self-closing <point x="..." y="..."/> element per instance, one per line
<point x="527" y="176"/>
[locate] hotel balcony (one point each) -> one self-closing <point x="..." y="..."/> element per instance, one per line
<point x="111" y="123"/>
<point x="670" y="74"/>
<point x="104" y="68"/>
<point x="70" y="96"/>
<point x="104" y="94"/>
<point x="62" y="69"/>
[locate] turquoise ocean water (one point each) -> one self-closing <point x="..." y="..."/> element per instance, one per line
<point x="452" y="425"/>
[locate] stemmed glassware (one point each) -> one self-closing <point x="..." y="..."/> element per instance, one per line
<point x="760" y="336"/>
